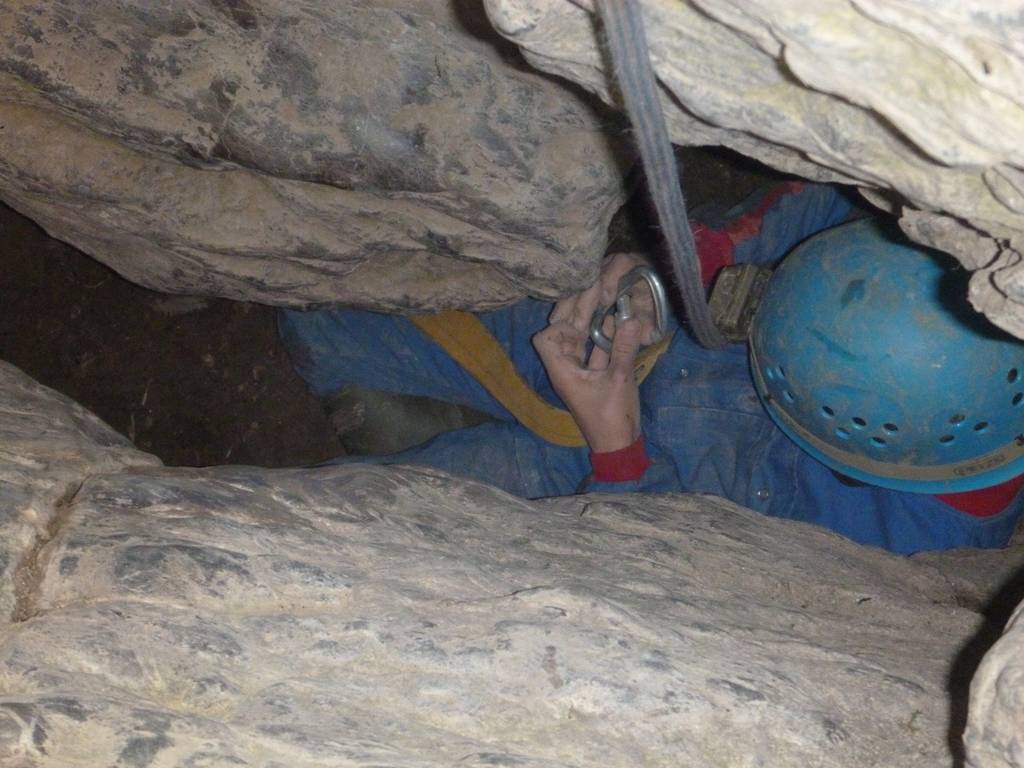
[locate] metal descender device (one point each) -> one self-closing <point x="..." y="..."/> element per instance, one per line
<point x="622" y="308"/>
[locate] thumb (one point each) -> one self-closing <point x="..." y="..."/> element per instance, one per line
<point x="625" y="345"/>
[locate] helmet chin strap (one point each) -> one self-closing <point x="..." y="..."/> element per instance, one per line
<point x="627" y="43"/>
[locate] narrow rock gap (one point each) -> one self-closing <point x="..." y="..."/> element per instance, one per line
<point x="28" y="575"/>
<point x="196" y="381"/>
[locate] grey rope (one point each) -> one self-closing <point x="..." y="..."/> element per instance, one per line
<point x="624" y="30"/>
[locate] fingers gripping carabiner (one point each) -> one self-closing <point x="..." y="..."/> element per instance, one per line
<point x="622" y="309"/>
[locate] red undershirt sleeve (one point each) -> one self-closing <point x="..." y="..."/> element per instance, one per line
<point x="627" y="463"/>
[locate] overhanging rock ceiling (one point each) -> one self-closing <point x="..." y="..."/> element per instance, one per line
<point x="400" y="155"/>
<point x="381" y="154"/>
<point x="918" y="102"/>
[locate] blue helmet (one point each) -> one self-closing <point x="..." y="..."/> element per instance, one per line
<point x="865" y="352"/>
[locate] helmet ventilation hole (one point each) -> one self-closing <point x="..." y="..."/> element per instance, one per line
<point x="956" y="418"/>
<point x="946" y="439"/>
<point x="782" y="373"/>
<point x="890" y="427"/>
<point x="878" y="442"/>
<point x="827" y="412"/>
<point x="769" y="372"/>
<point x="1012" y="375"/>
<point x="859" y="423"/>
<point x="1017" y="398"/>
<point x="788" y="395"/>
<point x="842" y="433"/>
<point x="981" y="426"/>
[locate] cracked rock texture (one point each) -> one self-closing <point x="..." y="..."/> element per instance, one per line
<point x="364" y="615"/>
<point x="919" y="102"/>
<point x="48" y="446"/>
<point x="397" y="155"/>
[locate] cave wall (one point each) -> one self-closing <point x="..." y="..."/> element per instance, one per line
<point x="392" y="155"/>
<point x="994" y="730"/>
<point x="363" y="615"/>
<point x="919" y="103"/>
<point x="401" y="155"/>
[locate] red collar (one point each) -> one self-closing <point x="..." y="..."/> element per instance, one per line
<point x="984" y="502"/>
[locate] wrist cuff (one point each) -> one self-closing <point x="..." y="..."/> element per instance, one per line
<point x="627" y="463"/>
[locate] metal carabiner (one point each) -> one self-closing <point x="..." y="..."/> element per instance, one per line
<point x="623" y="310"/>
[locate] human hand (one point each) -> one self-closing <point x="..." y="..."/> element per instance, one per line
<point x="601" y="392"/>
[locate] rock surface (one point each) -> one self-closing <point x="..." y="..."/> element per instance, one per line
<point x="360" y="615"/>
<point x="396" y="154"/>
<point x="994" y="733"/>
<point x="48" y="446"/>
<point x="919" y="102"/>
<point x="387" y="154"/>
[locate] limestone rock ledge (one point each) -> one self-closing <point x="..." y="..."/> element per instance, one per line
<point x="919" y="102"/>
<point x="364" y="615"/>
<point x="395" y="155"/>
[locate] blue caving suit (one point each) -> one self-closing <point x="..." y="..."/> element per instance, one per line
<point x="704" y="427"/>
